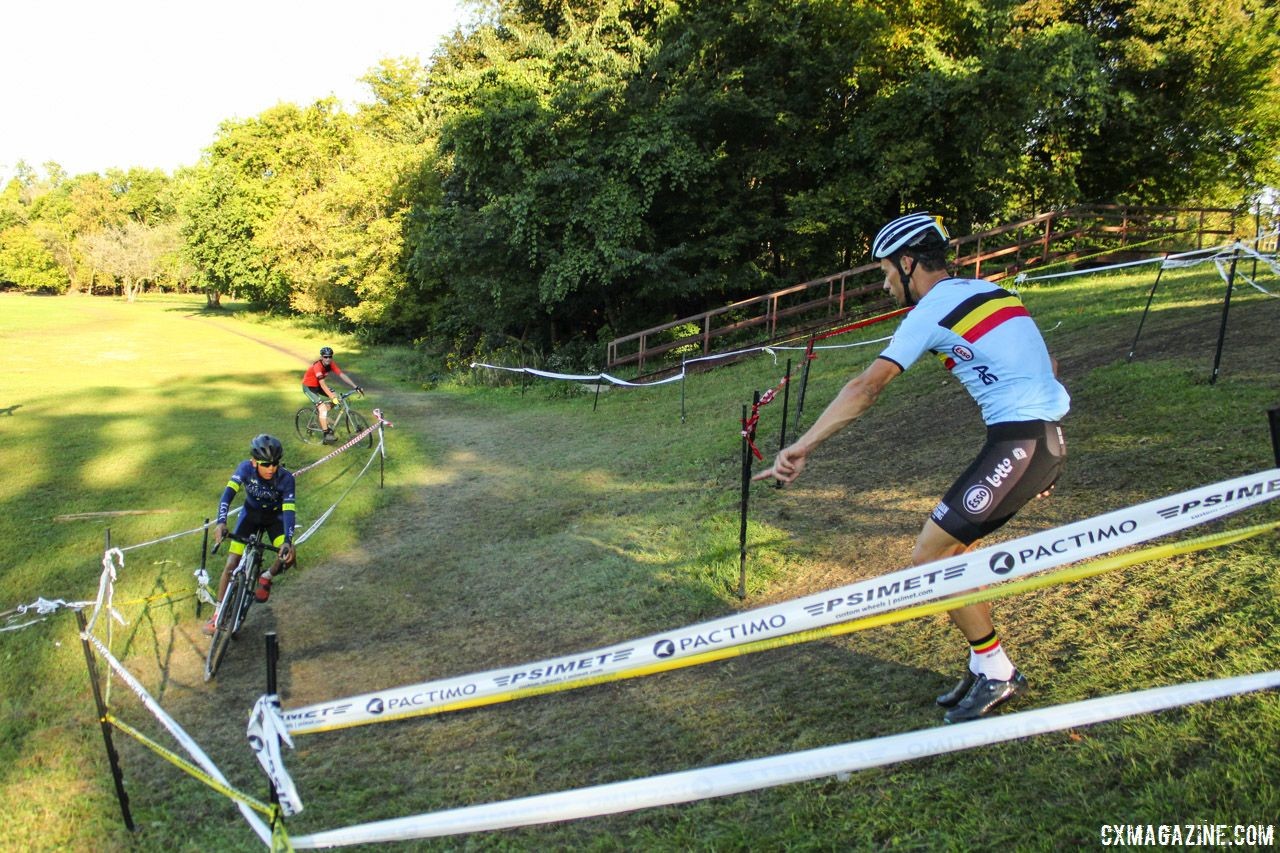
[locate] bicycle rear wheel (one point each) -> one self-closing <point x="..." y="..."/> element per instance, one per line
<point x="307" y="423"/>
<point x="223" y="626"/>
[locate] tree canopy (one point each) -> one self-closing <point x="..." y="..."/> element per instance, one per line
<point x="563" y="170"/>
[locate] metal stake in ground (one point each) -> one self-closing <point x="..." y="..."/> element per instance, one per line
<point x="1226" y="306"/>
<point x="786" y="396"/>
<point x="1143" y="319"/>
<point x="273" y="658"/>
<point x="748" y="435"/>
<point x="683" y="376"/>
<point x="1273" y="417"/>
<point x="804" y="379"/>
<point x="112" y="757"/>
<point x="203" y="574"/>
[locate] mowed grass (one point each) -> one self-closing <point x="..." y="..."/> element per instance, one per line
<point x="516" y="526"/>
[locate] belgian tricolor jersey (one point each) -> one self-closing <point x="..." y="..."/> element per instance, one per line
<point x="983" y="334"/>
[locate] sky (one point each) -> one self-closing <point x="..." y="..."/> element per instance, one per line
<point x="99" y="84"/>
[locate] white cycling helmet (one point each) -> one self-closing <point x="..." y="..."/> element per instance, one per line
<point x="907" y="231"/>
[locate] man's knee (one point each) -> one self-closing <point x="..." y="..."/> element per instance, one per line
<point x="934" y="543"/>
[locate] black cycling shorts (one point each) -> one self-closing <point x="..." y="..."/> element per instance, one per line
<point x="272" y="523"/>
<point x="1020" y="460"/>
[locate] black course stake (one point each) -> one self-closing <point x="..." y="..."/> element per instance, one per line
<point x="1273" y="417"/>
<point x="748" y="433"/>
<point x="1143" y="319"/>
<point x="804" y="380"/>
<point x="1222" y="329"/>
<point x="786" y="397"/>
<point x="204" y="553"/>
<point x="112" y="757"/>
<point x="273" y="657"/>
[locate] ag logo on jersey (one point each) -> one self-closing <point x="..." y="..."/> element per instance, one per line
<point x="977" y="498"/>
<point x="962" y="352"/>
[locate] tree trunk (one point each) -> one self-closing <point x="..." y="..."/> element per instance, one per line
<point x="212" y="298"/>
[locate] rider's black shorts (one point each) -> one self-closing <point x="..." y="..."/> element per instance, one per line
<point x="255" y="519"/>
<point x="1020" y="460"/>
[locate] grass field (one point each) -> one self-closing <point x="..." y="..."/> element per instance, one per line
<point x="518" y="526"/>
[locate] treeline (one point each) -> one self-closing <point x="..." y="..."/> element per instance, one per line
<point x="561" y="172"/>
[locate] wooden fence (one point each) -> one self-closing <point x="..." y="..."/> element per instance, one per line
<point x="1079" y="236"/>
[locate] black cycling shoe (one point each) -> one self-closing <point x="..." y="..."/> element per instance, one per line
<point x="953" y="696"/>
<point x="985" y="695"/>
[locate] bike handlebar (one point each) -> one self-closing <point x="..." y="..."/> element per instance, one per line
<point x="267" y="546"/>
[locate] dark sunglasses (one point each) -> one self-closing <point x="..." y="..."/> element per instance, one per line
<point x="262" y="464"/>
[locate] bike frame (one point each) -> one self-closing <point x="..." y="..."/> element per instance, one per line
<point x="234" y="606"/>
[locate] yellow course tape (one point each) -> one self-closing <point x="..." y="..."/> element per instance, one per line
<point x="1111" y="251"/>
<point x="176" y="595"/>
<point x="1085" y="570"/>
<point x="182" y="764"/>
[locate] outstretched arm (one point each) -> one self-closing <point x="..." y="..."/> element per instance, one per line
<point x="858" y="395"/>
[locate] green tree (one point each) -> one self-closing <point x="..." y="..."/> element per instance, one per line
<point x="256" y="171"/>
<point x="26" y="261"/>
<point x="131" y="255"/>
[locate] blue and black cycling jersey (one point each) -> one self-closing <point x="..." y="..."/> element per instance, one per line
<point x="261" y="496"/>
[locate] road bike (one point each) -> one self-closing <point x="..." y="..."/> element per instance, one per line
<point x="343" y="420"/>
<point x="235" y="604"/>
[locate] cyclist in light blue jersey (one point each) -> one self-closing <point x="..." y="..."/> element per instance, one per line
<point x="983" y="335"/>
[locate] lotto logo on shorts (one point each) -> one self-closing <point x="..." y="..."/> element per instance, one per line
<point x="977" y="499"/>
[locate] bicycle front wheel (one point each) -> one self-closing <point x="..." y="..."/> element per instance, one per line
<point x="223" y="627"/>
<point x="307" y="423"/>
<point x="357" y="424"/>
<point x="248" y="579"/>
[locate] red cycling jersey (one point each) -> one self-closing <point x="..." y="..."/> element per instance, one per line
<point x="317" y="371"/>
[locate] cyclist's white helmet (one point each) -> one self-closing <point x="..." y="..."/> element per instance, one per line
<point x="905" y="232"/>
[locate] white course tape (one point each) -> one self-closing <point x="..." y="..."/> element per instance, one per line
<point x="184" y="740"/>
<point x="915" y="585"/>
<point x="265" y="733"/>
<point x="759" y="773"/>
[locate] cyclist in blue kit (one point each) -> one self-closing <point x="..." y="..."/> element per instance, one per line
<point x="984" y="336"/>
<point x="269" y="503"/>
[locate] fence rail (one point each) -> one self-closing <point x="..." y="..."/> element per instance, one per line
<point x="1078" y="236"/>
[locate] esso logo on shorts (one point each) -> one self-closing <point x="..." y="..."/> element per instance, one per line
<point x="977" y="499"/>
<point x="962" y="352"/>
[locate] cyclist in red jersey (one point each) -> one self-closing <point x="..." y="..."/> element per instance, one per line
<point x="318" y="390"/>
